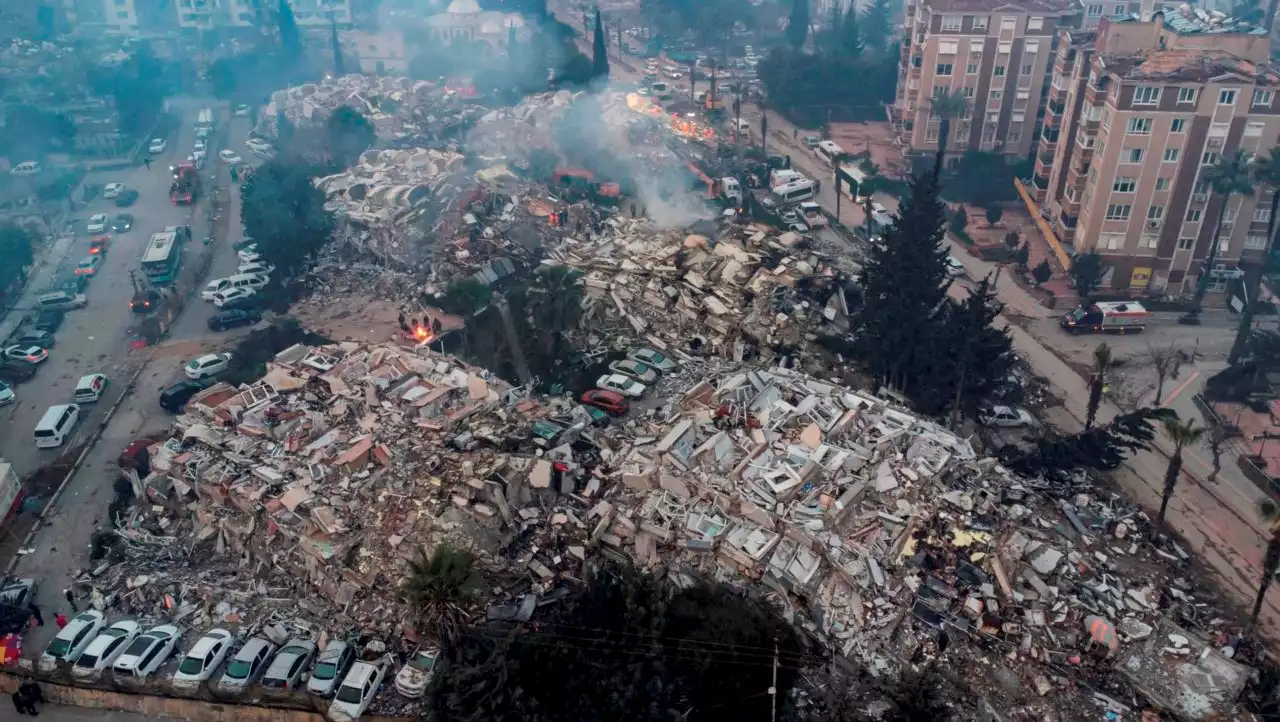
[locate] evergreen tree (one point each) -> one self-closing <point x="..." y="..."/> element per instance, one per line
<point x="851" y="45"/>
<point x="904" y="286"/>
<point x="599" y="51"/>
<point x="798" y="24"/>
<point x="831" y="35"/>
<point x="290" y="40"/>
<point x="339" y="68"/>
<point x="1101" y="447"/>
<point x="973" y="356"/>
<point x="877" y="25"/>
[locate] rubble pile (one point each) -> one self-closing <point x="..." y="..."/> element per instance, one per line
<point x="511" y="133"/>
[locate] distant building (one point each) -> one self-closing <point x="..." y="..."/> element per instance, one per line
<point x="209" y="14"/>
<point x="378" y="53"/>
<point x="123" y="17"/>
<point x="464" y="20"/>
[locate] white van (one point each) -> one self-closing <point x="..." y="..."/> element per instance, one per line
<point x="743" y="126"/>
<point x="801" y="190"/>
<point x="60" y="301"/>
<point x="783" y="176"/>
<point x="256" y="281"/>
<point x="56" y="425"/>
<point x="829" y="152"/>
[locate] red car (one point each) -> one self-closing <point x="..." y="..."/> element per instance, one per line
<point x="98" y="245"/>
<point x="609" y="401"/>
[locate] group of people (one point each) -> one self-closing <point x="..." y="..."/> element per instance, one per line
<point x="26" y="697"/>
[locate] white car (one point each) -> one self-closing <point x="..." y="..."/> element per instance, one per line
<point x="240" y="110"/>
<point x="30" y="354"/>
<point x="357" y="689"/>
<point x="649" y="357"/>
<point x="249" y="254"/>
<point x="97" y="224"/>
<point x="90" y="388"/>
<point x="258" y="267"/>
<point x="203" y="659"/>
<point x="955" y="268"/>
<point x="229" y="156"/>
<point x="207" y="365"/>
<point x="222" y="298"/>
<point x="331" y="667"/>
<point x="71" y="640"/>
<point x="147" y="652"/>
<point x="105" y="648"/>
<point x="157" y="145"/>
<point x="416" y="674"/>
<point x="6" y="394"/>
<point x="199" y="146"/>
<point x="214" y="287"/>
<point x="643" y="373"/>
<point x="1006" y="416"/>
<point x="112" y="190"/>
<point x="621" y="384"/>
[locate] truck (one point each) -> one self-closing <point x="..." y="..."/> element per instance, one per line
<point x="186" y="184"/>
<point x="1107" y="317"/>
<point x="728" y="190"/>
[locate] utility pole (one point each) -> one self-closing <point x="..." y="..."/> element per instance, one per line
<point x="773" y="690"/>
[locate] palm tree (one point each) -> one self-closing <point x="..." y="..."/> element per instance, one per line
<point x="1228" y="177"/>
<point x="1181" y="433"/>
<point x="1266" y="174"/>
<point x="1271" y="557"/>
<point x="440" y="588"/>
<point x="1101" y="364"/>
<point x="945" y="105"/>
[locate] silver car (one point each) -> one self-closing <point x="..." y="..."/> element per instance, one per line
<point x="286" y="670"/>
<point x="331" y="666"/>
<point x="247" y="666"/>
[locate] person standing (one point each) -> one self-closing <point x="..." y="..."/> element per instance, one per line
<point x="35" y="612"/>
<point x="33" y="695"/>
<point x="71" y="598"/>
<point x="20" y="701"/>
<point x="60" y="620"/>
<point x="147" y="162"/>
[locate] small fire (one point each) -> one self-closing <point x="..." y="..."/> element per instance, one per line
<point x="421" y="334"/>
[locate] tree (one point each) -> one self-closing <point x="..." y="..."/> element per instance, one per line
<point x="649" y="649"/>
<point x="1266" y="174"/>
<point x="1181" y="433"/>
<point x="1270" y="513"/>
<point x="1097" y="382"/>
<point x="284" y="212"/>
<point x="904" y="284"/>
<point x="1087" y="271"/>
<point x="1100" y="448"/>
<point x="1164" y="361"/>
<point x="945" y="105"/>
<point x="465" y="296"/>
<point x="1228" y="177"/>
<point x="349" y="134"/>
<point x="972" y="358"/>
<point x="441" y="588"/>
<point x="1022" y="256"/>
<point x="958" y="221"/>
<point x="993" y="214"/>
<point x="1042" y="272"/>
<point x="17" y="252"/>
<point x="290" y="39"/>
<point x="851" y="45"/>
<point x="599" y="51"/>
<point x="877" y="25"/>
<point x="339" y="68"/>
<point x="798" y="24"/>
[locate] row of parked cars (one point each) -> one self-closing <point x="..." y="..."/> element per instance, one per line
<point x="91" y="647"/>
<point x="628" y="378"/>
<point x="236" y="296"/>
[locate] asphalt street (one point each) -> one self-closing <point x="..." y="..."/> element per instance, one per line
<point x="62" y="713"/>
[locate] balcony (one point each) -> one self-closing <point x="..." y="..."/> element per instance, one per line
<point x="1039" y="181"/>
<point x="1055" y="107"/>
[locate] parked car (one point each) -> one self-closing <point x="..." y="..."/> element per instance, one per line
<point x="209" y="364"/>
<point x="249" y="253"/>
<point x="18" y="593"/>
<point x="331" y="667"/>
<point x="229" y="156"/>
<point x="112" y="190"/>
<point x="243" y="243"/>
<point x="16" y="371"/>
<point x="202" y="659"/>
<point x="234" y="298"/>
<point x="7" y="396"/>
<point x="653" y="358"/>
<point x="71" y="640"/>
<point x="30" y="354"/>
<point x="621" y="384"/>
<point x="257" y="267"/>
<point x="31" y="337"/>
<point x="240" y="110"/>
<point x="127" y="198"/>
<point x="357" y="689"/>
<point x="199" y="146"/>
<point x="122" y="222"/>
<point x="286" y="669"/>
<point x="247" y="666"/>
<point x="98" y="245"/>
<point x="955" y="268"/>
<point x="147" y="652"/>
<point x="416" y="674"/>
<point x="224" y="320"/>
<point x="1006" y="416"/>
<point x="97" y="224"/>
<point x="609" y="401"/>
<point x="157" y="145"/>
<point x="175" y="398"/>
<point x="88" y="266"/>
<point x="634" y="369"/>
<point x="90" y="388"/>
<point x="105" y="648"/>
<point x="48" y="321"/>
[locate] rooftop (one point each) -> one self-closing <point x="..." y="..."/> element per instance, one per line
<point x="1185" y="65"/>
<point x="1036" y="7"/>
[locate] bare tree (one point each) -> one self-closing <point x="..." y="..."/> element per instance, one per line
<point x="1164" y="361"/>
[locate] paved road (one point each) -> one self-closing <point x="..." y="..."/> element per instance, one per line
<point x="62" y="713"/>
<point x="61" y="546"/>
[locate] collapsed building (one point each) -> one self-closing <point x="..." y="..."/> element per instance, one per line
<point x="885" y="536"/>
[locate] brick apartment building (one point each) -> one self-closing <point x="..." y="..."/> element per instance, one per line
<point x="1136" y="110"/>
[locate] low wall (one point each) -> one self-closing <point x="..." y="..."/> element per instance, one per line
<point x="169" y="708"/>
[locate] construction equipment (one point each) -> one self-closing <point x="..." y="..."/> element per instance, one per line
<point x="576" y="181"/>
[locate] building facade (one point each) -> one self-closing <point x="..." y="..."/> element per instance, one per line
<point x="379" y="53"/>
<point x="208" y="14"/>
<point x="1137" y="110"/>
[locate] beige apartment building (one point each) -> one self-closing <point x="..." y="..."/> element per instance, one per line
<point x="1136" y="111"/>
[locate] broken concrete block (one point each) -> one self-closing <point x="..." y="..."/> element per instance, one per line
<point x="1045" y="560"/>
<point x="540" y="477"/>
<point x="885" y="480"/>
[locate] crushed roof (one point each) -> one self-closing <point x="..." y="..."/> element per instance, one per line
<point x="1185" y="65"/>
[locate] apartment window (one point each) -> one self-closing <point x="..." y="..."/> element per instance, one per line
<point x="997" y="94"/>
<point x="1193" y="215"/>
<point x="1132" y="155"/>
<point x="937" y="91"/>
<point x="1004" y="48"/>
<point x="1093" y="11"/>
<point x="943" y="69"/>
<point x="1210" y="157"/>
<point x="1008" y="22"/>
<point x="1262" y="98"/>
<point x="1139" y="126"/>
<point x="1162" y="184"/>
<point x="1224" y="245"/>
<point x="1030" y="47"/>
<point x="1106" y="119"/>
<point x="1124" y="185"/>
<point x="948" y="47"/>
<point x="1148" y="240"/>
<point x="1255" y="241"/>
<point x="950" y="23"/>
<point x="979" y="22"/>
<point x="1026" y="69"/>
<point x="1119" y="12"/>
<point x="1185" y="244"/>
<point x="1178" y="125"/>
<point x="1013" y="136"/>
<point x="1023" y="95"/>
<point x="122" y="14"/>
<point x="1155" y="213"/>
<point x="1186" y="95"/>
<point x="1035" y="23"/>
<point x="971" y="69"/>
<point x="931" y="134"/>
<point x="1146" y="95"/>
<point x="1226" y="97"/>
<point x="1254" y="130"/>
<point x="999" y="71"/>
<point x="1171" y="155"/>
<point x="1261" y="215"/>
<point x="1018" y="117"/>
<point x="1118" y="212"/>
<point x="1111" y="241"/>
<point x="968" y="91"/>
<point x="976" y="46"/>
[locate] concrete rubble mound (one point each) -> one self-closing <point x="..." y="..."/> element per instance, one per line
<point x="298" y="500"/>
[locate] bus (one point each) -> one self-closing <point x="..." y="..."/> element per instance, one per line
<point x="163" y="258"/>
<point x="204" y="121"/>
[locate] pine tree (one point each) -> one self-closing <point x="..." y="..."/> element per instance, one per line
<point x="851" y="45"/>
<point x="599" y="51"/>
<point x="976" y="352"/>
<point x="339" y="68"/>
<point x="904" y="287"/>
<point x="290" y="40"/>
<point x="798" y="24"/>
<point x="877" y="25"/>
